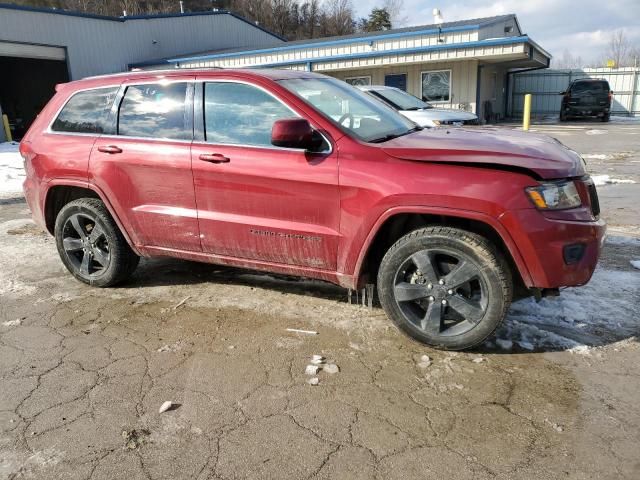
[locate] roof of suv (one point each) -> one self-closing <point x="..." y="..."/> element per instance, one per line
<point x="272" y="74"/>
<point x="590" y="80"/>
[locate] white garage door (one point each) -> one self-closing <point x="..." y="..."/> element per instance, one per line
<point x="24" y="50"/>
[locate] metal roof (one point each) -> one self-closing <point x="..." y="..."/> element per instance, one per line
<point x="72" y="13"/>
<point x="470" y="24"/>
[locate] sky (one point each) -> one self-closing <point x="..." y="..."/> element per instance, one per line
<point x="581" y="26"/>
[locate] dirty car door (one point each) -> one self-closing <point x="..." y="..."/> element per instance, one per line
<point x="256" y="201"/>
<point x="145" y="168"/>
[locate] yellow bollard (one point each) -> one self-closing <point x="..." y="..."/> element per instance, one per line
<point x="7" y="130"/>
<point x="526" y="116"/>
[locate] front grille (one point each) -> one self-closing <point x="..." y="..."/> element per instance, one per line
<point x="593" y="198"/>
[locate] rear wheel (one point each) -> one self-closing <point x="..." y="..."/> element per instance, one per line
<point x="91" y="245"/>
<point x="445" y="287"/>
<point x="605" y="117"/>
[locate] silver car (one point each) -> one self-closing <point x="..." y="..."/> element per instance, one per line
<point x="415" y="109"/>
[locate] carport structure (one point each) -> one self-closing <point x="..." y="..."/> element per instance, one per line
<point x="463" y="64"/>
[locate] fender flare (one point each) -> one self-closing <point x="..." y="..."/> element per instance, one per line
<point x="68" y="182"/>
<point x="492" y="222"/>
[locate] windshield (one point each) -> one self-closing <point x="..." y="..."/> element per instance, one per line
<point x="399" y="99"/>
<point x="354" y="111"/>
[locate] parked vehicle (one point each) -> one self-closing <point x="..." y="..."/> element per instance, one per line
<point x="587" y="97"/>
<point x="301" y="174"/>
<point x="423" y="113"/>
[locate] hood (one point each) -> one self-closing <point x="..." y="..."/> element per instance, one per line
<point x="546" y="157"/>
<point x="426" y="117"/>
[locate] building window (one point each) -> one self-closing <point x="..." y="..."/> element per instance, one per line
<point x="358" y="81"/>
<point x="436" y="86"/>
<point x="154" y="111"/>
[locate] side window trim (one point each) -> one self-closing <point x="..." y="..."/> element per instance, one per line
<point x="198" y="112"/>
<point x="199" y="117"/>
<point x="188" y="110"/>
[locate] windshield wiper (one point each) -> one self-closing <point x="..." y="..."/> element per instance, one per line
<point x="391" y="136"/>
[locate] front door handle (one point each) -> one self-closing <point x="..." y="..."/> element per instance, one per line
<point x="214" y="158"/>
<point x="110" y="149"/>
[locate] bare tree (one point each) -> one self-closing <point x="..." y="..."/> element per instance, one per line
<point x="339" y="17"/>
<point x="618" y="48"/>
<point x="398" y="14"/>
<point x="568" y="60"/>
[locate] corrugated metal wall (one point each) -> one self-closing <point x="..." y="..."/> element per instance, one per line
<point x="96" y="46"/>
<point x="545" y="86"/>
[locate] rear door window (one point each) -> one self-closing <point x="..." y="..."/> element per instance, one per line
<point x="86" y="112"/>
<point x="155" y="111"/>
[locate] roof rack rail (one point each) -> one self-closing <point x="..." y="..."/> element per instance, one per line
<point x="150" y="72"/>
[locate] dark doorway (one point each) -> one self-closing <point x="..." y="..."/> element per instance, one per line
<point x="26" y="85"/>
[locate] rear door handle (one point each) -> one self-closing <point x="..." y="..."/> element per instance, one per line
<point x="214" y="158"/>
<point x="110" y="149"/>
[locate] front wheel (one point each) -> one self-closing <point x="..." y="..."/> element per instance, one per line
<point x="446" y="287"/>
<point x="91" y="245"/>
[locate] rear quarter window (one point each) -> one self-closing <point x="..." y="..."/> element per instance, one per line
<point x="86" y="112"/>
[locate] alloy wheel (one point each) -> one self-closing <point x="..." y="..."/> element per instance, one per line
<point x="86" y="245"/>
<point x="441" y="292"/>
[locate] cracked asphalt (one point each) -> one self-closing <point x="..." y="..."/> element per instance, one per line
<point x="83" y="372"/>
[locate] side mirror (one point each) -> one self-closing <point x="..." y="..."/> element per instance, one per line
<point x="562" y="93"/>
<point x="294" y="133"/>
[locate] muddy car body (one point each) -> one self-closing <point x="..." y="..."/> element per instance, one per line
<point x="296" y="173"/>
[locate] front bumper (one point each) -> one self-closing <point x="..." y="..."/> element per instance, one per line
<point x="541" y="242"/>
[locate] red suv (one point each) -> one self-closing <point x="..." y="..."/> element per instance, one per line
<point x="301" y="174"/>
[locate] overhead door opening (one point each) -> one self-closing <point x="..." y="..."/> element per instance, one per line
<point x="26" y="85"/>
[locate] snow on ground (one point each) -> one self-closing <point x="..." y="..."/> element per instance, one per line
<point x="11" y="170"/>
<point x="604" y="311"/>
<point x="596" y="132"/>
<point x="600" y="180"/>
<point x="618" y="118"/>
<point x="635" y="264"/>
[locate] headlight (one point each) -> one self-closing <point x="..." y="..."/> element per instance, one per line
<point x="555" y="195"/>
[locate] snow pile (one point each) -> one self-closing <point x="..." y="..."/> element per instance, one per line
<point x="604" y="311"/>
<point x="600" y="180"/>
<point x="635" y="264"/>
<point x="596" y="156"/>
<point x="617" y="118"/>
<point x="11" y="170"/>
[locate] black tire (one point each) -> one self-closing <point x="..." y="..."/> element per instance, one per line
<point x="91" y="245"/>
<point x="453" y="316"/>
<point x="563" y="117"/>
<point x="605" y="118"/>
